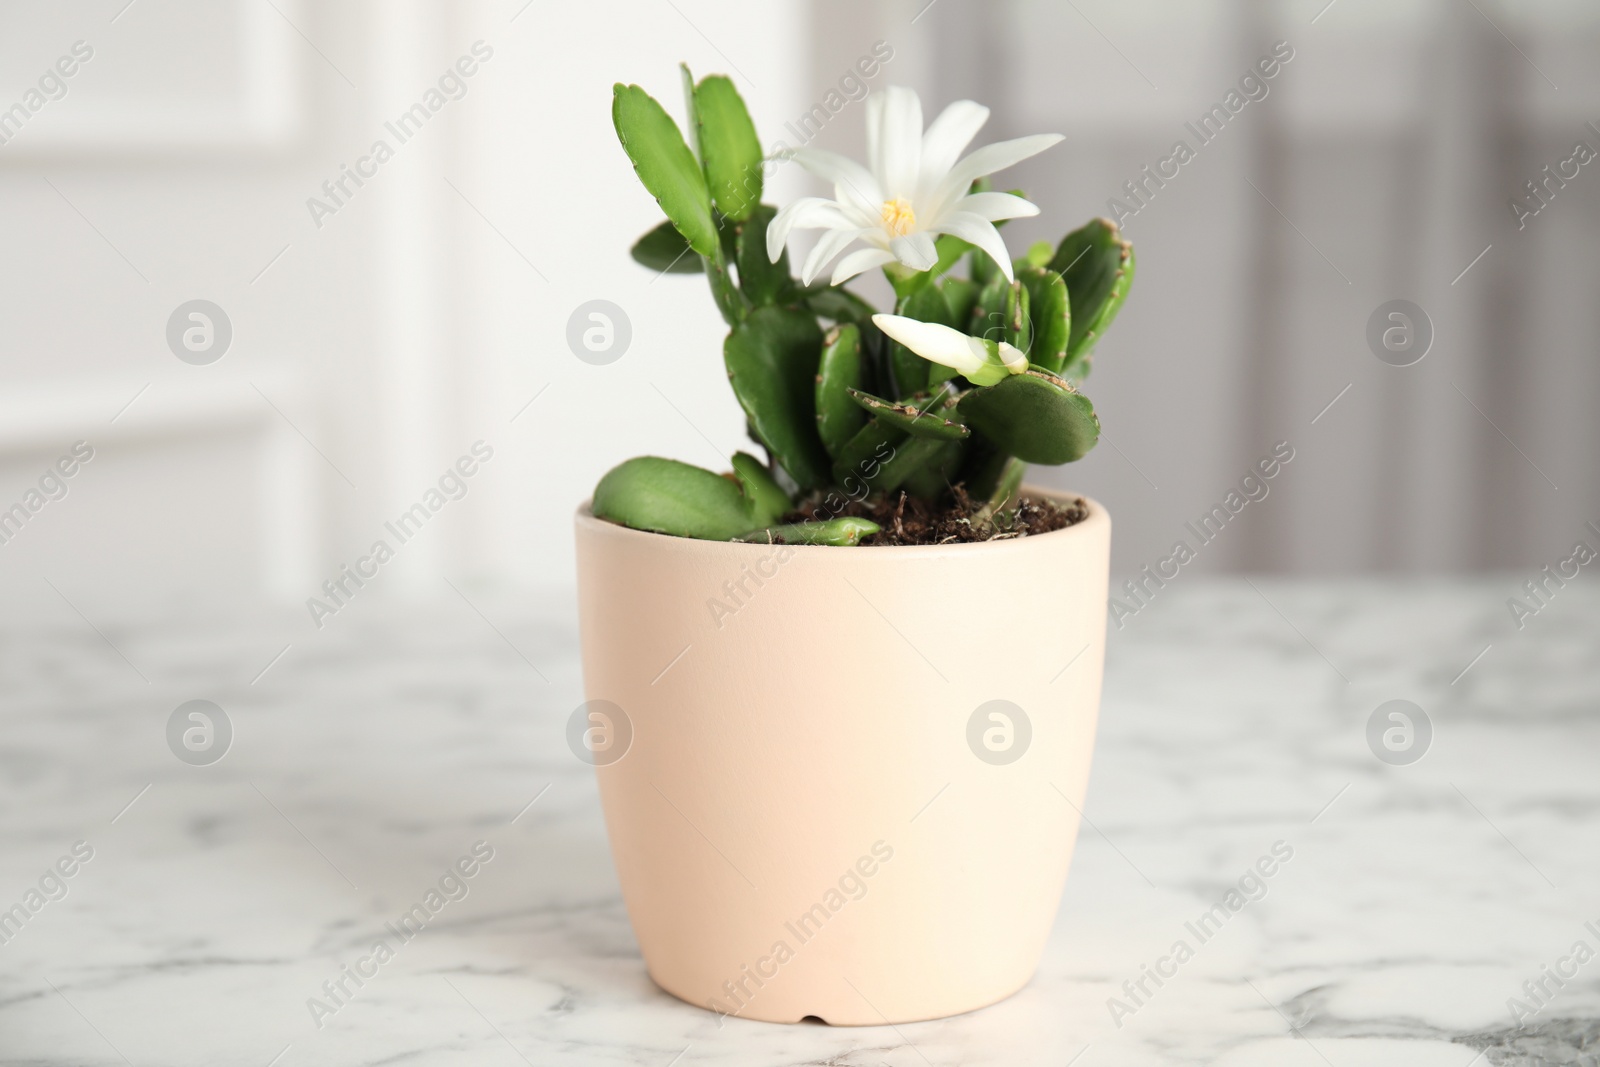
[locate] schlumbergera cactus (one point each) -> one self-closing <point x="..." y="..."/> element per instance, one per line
<point x="968" y="381"/>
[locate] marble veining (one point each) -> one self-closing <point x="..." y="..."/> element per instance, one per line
<point x="1416" y="903"/>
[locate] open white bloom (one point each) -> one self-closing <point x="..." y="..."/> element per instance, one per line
<point x="915" y="189"/>
<point x="979" y="360"/>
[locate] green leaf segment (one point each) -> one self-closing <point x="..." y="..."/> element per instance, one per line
<point x="837" y="407"/>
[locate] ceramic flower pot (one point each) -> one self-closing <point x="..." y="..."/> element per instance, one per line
<point x="842" y="783"/>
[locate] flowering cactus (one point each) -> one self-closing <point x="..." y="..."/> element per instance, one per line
<point x="968" y="380"/>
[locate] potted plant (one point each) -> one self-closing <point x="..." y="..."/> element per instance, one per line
<point x="842" y="699"/>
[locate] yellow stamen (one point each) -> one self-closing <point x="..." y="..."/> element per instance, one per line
<point x="898" y="218"/>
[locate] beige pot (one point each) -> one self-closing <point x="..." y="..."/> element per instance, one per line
<point x="810" y="809"/>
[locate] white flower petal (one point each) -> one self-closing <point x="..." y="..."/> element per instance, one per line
<point x="829" y="245"/>
<point x="915" y="250"/>
<point x="858" y="213"/>
<point x="943" y="142"/>
<point x="1015" y="360"/>
<point x="841" y="170"/>
<point x="859" y="260"/>
<point x="996" y="206"/>
<point x="979" y="231"/>
<point x="862" y="211"/>
<point x="980" y="350"/>
<point x="894" y="140"/>
<point x="934" y="342"/>
<point x="907" y="164"/>
<point x="1002" y="154"/>
<point x="806" y="213"/>
<point x="877" y="237"/>
<point x="987" y="160"/>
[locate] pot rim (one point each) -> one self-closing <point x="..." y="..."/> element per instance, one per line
<point x="586" y="519"/>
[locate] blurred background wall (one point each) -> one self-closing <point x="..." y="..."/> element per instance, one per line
<point x="377" y="337"/>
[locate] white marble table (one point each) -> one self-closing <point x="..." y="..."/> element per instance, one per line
<point x="376" y="752"/>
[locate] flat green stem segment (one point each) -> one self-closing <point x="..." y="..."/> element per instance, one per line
<point x="1051" y="313"/>
<point x="982" y="269"/>
<point x="939" y="420"/>
<point x="989" y="310"/>
<point x="864" y="455"/>
<point x="938" y="374"/>
<point x="1035" y="416"/>
<point x="961" y="295"/>
<point x="933" y="478"/>
<point x="838" y="417"/>
<point x="666" y="496"/>
<point x="926" y="304"/>
<point x="663" y="249"/>
<point x="729" y="300"/>
<point x="761" y="280"/>
<point x="909" y="457"/>
<point x="768" y="501"/>
<point x="1019" y="333"/>
<point x="691" y="122"/>
<point x="842" y="531"/>
<point x="1097" y="265"/>
<point x="665" y="165"/>
<point x="1006" y="492"/>
<point x="950" y="248"/>
<point x="771" y="359"/>
<point x="728" y="146"/>
<point x="836" y="304"/>
<point x="985" y="467"/>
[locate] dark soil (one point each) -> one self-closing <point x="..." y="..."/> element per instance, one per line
<point x="907" y="520"/>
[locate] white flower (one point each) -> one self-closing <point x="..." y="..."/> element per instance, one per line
<point x="916" y="189"/>
<point x="979" y="360"/>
